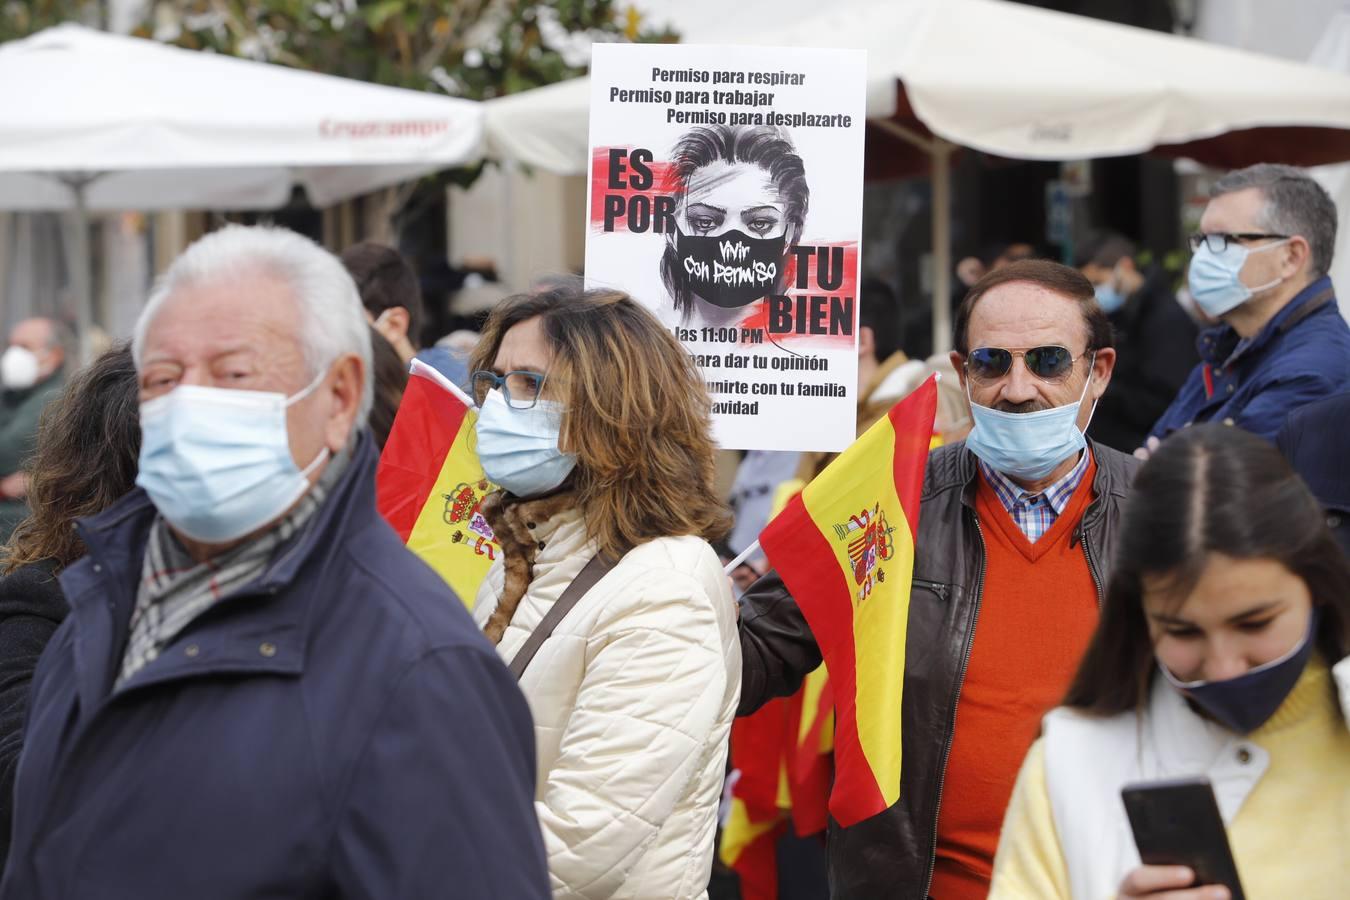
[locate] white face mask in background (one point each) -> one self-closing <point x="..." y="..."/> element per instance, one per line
<point x="18" y="368"/>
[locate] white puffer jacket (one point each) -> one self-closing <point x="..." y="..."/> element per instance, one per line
<point x="633" y="697"/>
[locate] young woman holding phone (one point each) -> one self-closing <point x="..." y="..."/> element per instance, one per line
<point x="1221" y="652"/>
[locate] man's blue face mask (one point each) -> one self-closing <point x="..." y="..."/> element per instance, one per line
<point x="1027" y="446"/>
<point x="1215" y="279"/>
<point x="1109" y="297"/>
<point x="217" y="462"/>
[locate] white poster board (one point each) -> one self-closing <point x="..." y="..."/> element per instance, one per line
<point x="726" y="195"/>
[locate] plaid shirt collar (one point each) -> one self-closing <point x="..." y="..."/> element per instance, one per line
<point x="1035" y="512"/>
<point x="175" y="589"/>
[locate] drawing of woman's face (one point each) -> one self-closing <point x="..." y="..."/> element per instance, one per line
<point x="723" y="197"/>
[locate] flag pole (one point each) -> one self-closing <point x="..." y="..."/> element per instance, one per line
<point x="417" y="367"/>
<point x="742" y="557"/>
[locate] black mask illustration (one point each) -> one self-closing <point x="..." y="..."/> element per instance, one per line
<point x="731" y="269"/>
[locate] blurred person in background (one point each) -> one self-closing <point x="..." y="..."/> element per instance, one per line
<point x="595" y="423"/>
<point x="883" y="379"/>
<point x="392" y="297"/>
<point x="389" y="293"/>
<point x="258" y="686"/>
<point x="1260" y="266"/>
<point x="391" y="377"/>
<point x="87" y="444"/>
<point x="1316" y="442"/>
<point x="1155" y="340"/>
<point x="1013" y="545"/>
<point x="1220" y="653"/>
<point x="767" y="479"/>
<point x="32" y="369"/>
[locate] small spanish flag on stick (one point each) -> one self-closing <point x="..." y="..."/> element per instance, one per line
<point x="429" y="485"/>
<point x="845" y="549"/>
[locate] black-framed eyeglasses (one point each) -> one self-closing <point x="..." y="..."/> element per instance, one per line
<point x="988" y="364"/>
<point x="1219" y="240"/>
<point x="520" y="389"/>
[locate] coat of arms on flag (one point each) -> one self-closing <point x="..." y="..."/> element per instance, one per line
<point x="870" y="543"/>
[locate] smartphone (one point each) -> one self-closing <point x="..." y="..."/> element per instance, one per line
<point x="1177" y="823"/>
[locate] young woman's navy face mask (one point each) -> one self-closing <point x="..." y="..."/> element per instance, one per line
<point x="1246" y="702"/>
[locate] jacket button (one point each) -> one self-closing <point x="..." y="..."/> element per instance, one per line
<point x="192" y="651"/>
<point x="529" y="525"/>
<point x="1229" y="389"/>
<point x="267" y="649"/>
<point x="1333" y="521"/>
<point x="541" y="545"/>
<point x="1244" y="755"/>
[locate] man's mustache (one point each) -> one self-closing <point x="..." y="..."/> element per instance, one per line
<point x="1029" y="406"/>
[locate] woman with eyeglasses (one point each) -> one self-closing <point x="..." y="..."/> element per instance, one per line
<point x="1221" y="652"/>
<point x="609" y="603"/>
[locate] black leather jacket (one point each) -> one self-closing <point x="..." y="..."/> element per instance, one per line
<point x="892" y="854"/>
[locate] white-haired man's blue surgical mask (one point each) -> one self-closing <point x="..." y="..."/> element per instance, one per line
<point x="1028" y="445"/>
<point x="217" y="462"/>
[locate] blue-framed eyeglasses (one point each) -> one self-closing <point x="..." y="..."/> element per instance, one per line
<point x="521" y="389"/>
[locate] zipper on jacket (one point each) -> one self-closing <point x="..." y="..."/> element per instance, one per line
<point x="956" y="702"/>
<point x="936" y="587"/>
<point x="1092" y="566"/>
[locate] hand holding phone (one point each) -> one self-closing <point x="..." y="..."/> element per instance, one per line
<point x="1177" y="825"/>
<point x="1168" y="883"/>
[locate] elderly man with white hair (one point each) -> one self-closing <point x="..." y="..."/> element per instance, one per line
<point x="259" y="692"/>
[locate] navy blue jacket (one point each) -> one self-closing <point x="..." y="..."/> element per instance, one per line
<point x="1316" y="442"/>
<point x="338" y="730"/>
<point x="1301" y="355"/>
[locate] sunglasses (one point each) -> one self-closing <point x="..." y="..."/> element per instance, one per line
<point x="988" y="364"/>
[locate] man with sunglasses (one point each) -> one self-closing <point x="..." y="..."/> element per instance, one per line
<point x="1014" y="544"/>
<point x="1260" y="267"/>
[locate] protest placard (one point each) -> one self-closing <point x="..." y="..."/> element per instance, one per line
<point x="726" y="194"/>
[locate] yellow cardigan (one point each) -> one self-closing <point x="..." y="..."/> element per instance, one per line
<point x="1289" y="838"/>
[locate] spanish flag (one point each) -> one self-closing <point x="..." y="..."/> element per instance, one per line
<point x="845" y="549"/>
<point x="429" y="485"/>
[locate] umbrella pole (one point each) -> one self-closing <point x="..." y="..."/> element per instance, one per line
<point x="942" y="245"/>
<point x="80" y="263"/>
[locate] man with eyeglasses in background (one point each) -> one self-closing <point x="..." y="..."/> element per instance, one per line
<point x="1260" y="267"/>
<point x="1013" y="549"/>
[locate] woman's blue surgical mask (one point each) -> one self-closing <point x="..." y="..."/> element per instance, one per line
<point x="1215" y="279"/>
<point x="1027" y="445"/>
<point x="1246" y="702"/>
<point x="518" y="448"/>
<point x="217" y="462"/>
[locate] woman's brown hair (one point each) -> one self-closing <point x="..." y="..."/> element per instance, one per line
<point x="88" y="442"/>
<point x="637" y="415"/>
<point x="1208" y="489"/>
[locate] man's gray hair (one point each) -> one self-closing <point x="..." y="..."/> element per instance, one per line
<point x="333" y="322"/>
<point x="1295" y="205"/>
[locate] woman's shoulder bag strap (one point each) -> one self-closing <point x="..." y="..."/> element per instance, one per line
<point x="580" y="586"/>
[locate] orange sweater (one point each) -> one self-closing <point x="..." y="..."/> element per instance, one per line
<point x="1038" y="609"/>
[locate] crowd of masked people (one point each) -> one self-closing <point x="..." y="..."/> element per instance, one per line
<point x="222" y="675"/>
